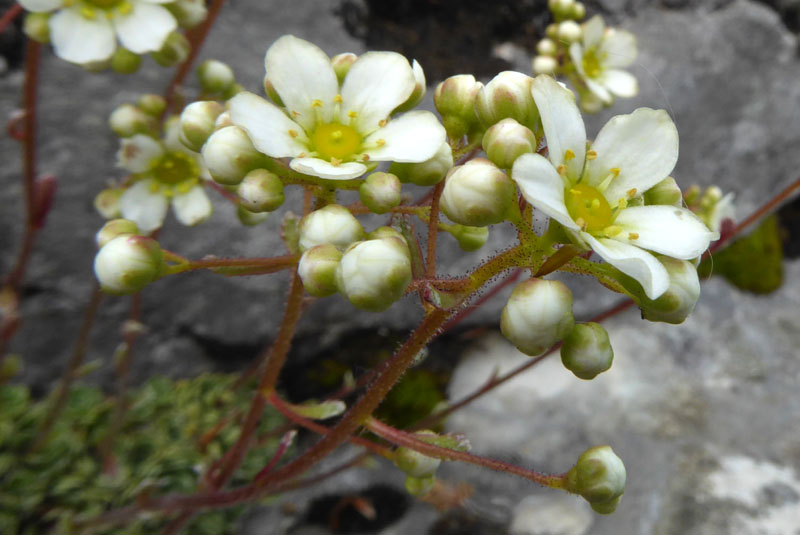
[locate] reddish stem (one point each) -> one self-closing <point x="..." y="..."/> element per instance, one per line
<point x="9" y="16"/>
<point x="433" y="231"/>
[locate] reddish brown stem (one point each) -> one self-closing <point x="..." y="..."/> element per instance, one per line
<point x="9" y="16"/>
<point x="433" y="231"/>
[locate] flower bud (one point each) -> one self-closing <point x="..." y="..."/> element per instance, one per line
<point x="674" y="305"/>
<point x="223" y="120"/>
<point x="454" y="99"/>
<point x="427" y="173"/>
<point x="414" y="463"/>
<point x="373" y="274"/>
<point x="198" y="122"/>
<point x="37" y="27"/>
<point x="260" y="191"/>
<point x="126" y="264"/>
<point x="419" y="89"/>
<point x="127" y="120"/>
<point x="551" y="31"/>
<point x="175" y="50"/>
<point x="546" y="47"/>
<point x="380" y="192"/>
<point x="537" y="315"/>
<point x="599" y="476"/>
<point x="250" y="219"/>
<point x="341" y="64"/>
<point x="578" y="11"/>
<point x="107" y="202"/>
<point x="229" y="155"/>
<point x="544" y="65"/>
<point x="507" y="95"/>
<point x="560" y="6"/>
<point x="317" y="269"/>
<point x="124" y="61"/>
<point x="665" y="192"/>
<point x="386" y="232"/>
<point x="114" y="228"/>
<point x="586" y="351"/>
<point x="152" y="104"/>
<point x="569" y="31"/>
<point x="332" y="224"/>
<point x="506" y="141"/>
<point x="188" y="13"/>
<point x="273" y="95"/>
<point x="477" y="194"/>
<point x="470" y="238"/>
<point x="419" y="486"/>
<point x="215" y="76"/>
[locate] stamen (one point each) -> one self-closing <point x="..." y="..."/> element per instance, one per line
<point x="595" y="204"/>
<point x="316" y="103"/>
<point x="381" y="142"/>
<point x="301" y="155"/>
<point x="562" y="169"/>
<point x="336" y="162"/>
<point x="575" y="191"/>
<point x="622" y="204"/>
<point x="568" y="155"/>
<point x="352" y="114"/>
<point x="581" y="223"/>
<point x="591" y="154"/>
<point x="295" y="114"/>
<point x="293" y="133"/>
<point x="337" y="99"/>
<point x="633" y="235"/>
<point x="382" y="123"/>
<point x="88" y="13"/>
<point x="365" y="158"/>
<point x="631" y="193"/>
<point x="612" y="174"/>
<point x="125" y="8"/>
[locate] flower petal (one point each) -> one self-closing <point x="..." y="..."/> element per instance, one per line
<point x="643" y="146"/>
<point x="41" y="6"/>
<point x="413" y="137"/>
<point x="268" y="127"/>
<point x="621" y="83"/>
<point x="302" y="74"/>
<point x="632" y="261"/>
<point x="192" y="207"/>
<point x="323" y="169"/>
<point x="542" y="186"/>
<point x="376" y="84"/>
<point x="593" y="31"/>
<point x="80" y="40"/>
<point x="562" y="122"/>
<point x="618" y="48"/>
<point x="599" y="91"/>
<point x="145" y="28"/>
<point x="668" y="230"/>
<point x="145" y="208"/>
<point x="138" y="152"/>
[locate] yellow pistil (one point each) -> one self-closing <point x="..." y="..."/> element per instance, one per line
<point x="588" y="208"/>
<point x="174" y="168"/>
<point x="591" y="63"/>
<point x="336" y="141"/>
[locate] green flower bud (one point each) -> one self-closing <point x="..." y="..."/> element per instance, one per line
<point x="599" y="476"/>
<point x="380" y="192"/>
<point x="175" y="50"/>
<point x="578" y="11"/>
<point x="427" y="173"/>
<point x="419" y="89"/>
<point x="419" y="486"/>
<point x="537" y="315"/>
<point x="385" y="232"/>
<point x="477" y="194"/>
<point x="373" y="274"/>
<point x="544" y="65"/>
<point x="37" y="27"/>
<point x="215" y="76"/>
<point x="126" y="264"/>
<point x="546" y="47"/>
<point x="229" y="155"/>
<point x="586" y="351"/>
<point x="552" y="31"/>
<point x="414" y="463"/>
<point x="341" y="64"/>
<point x="127" y="120"/>
<point x="674" y="305"/>
<point x="107" y="203"/>
<point x="317" y="269"/>
<point x="569" y="31"/>
<point x="188" y="13"/>
<point x="454" y="99"/>
<point x="665" y="192"/>
<point x="250" y="219"/>
<point x="114" y="228"/>
<point x="260" y="191"/>
<point x="125" y="62"/>
<point x="198" y="122"/>
<point x="470" y="238"/>
<point x="506" y="141"/>
<point x="152" y="104"/>
<point x="332" y="224"/>
<point x="507" y="95"/>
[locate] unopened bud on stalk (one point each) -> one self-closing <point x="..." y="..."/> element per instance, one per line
<point x="114" y="228"/>
<point x="552" y="31"/>
<point x="544" y="65"/>
<point x="586" y="351"/>
<point x="37" y="27"/>
<point x="578" y="11"/>
<point x="507" y="95"/>
<point x="477" y="194"/>
<point x="127" y="120"/>
<point x="380" y="192"/>
<point x="373" y="274"/>
<point x="152" y="104"/>
<point x="599" y="477"/>
<point x="506" y="141"/>
<point x="569" y="31"/>
<point x="427" y="173"/>
<point x="124" y="61"/>
<point x="419" y="89"/>
<point x="175" y="50"/>
<point x="223" y="120"/>
<point x="665" y="192"/>
<point x="188" y="13"/>
<point x="537" y="315"/>
<point x="126" y="264"/>
<point x="470" y="238"/>
<point x="332" y="224"/>
<point x="546" y="47"/>
<point x="560" y="6"/>
<point x="419" y="486"/>
<point x="317" y="269"/>
<point x="341" y="64"/>
<point x="250" y="219"/>
<point x="198" y="122"/>
<point x="454" y="99"/>
<point x="385" y="232"/>
<point x="107" y="202"/>
<point x="229" y="155"/>
<point x="215" y="76"/>
<point x="414" y="463"/>
<point x="674" y="305"/>
<point x="260" y="191"/>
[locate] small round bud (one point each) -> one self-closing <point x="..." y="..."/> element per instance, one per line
<point x="477" y="194"/>
<point x="427" y="173"/>
<point x="507" y="95"/>
<point x="188" y="13"/>
<point x="250" y="219"/>
<point x="127" y="120"/>
<point x="506" y="141"/>
<point x="332" y="224"/>
<point x="578" y="11"/>
<point x="414" y="463"/>
<point x="546" y="47"/>
<point x="125" y="62"/>
<point x="126" y="264"/>
<point x="385" y="232"/>
<point x="107" y="202"/>
<point x="114" y="228"/>
<point x="552" y="31"/>
<point x="229" y="155"/>
<point x="273" y="95"/>
<point x="470" y="238"/>
<point x="260" y="191"/>
<point x="152" y="104"/>
<point x="665" y="192"/>
<point x="37" y="27"/>
<point x="215" y="76"/>
<point x="380" y="192"/>
<point x="569" y="31"/>
<point x="560" y="6"/>
<point x="373" y="274"/>
<point x="223" y="120"/>
<point x="341" y="64"/>
<point x="175" y="50"/>
<point x="419" y="486"/>
<point x="537" y="315"/>
<point x="419" y="89"/>
<point x="454" y="99"/>
<point x="674" y="305"/>
<point x="586" y="351"/>
<point x="198" y="122"/>
<point x="599" y="476"/>
<point x="317" y="269"/>
<point x="544" y="65"/>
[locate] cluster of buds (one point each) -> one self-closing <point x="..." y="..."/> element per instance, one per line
<point x="712" y="206"/>
<point x="126" y="261"/>
<point x="420" y="469"/>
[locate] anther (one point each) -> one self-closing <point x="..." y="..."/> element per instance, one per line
<point x="293" y="133"/>
<point x="381" y="142"/>
<point x="568" y="155"/>
<point x="591" y="155"/>
<point x="382" y="123"/>
<point x="562" y="169"/>
<point x="633" y="235"/>
<point x="581" y="223"/>
<point x="631" y="193"/>
<point x="336" y="162"/>
<point x="316" y="103"/>
<point x="338" y="99"/>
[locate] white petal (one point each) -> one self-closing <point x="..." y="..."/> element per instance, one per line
<point x="599" y="91"/>
<point x="562" y="122"/>
<point x="542" y="186"/>
<point x="158" y="1"/>
<point x="41" y="6"/>
<point x="80" y="40"/>
<point x="593" y="31"/>
<point x="668" y="230"/>
<point x="192" y="207"/>
<point x="621" y="83"/>
<point x="642" y="145"/>
<point x="143" y="207"/>
<point x="323" y="169"/>
<point x="267" y="126"/>
<point x="138" y="152"/>
<point x="634" y="262"/>
<point x="376" y="84"/>
<point x="413" y="137"/>
<point x="618" y="49"/>
<point x="172" y="135"/>
<point x="301" y="73"/>
<point x="145" y="28"/>
<point x="576" y="54"/>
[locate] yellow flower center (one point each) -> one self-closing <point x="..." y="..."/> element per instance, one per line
<point x="588" y="208"/>
<point x="591" y="63"/>
<point x="335" y="141"/>
<point x="104" y="4"/>
<point x="175" y="168"/>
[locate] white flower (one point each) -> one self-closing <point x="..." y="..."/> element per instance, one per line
<point x="331" y="131"/>
<point x="588" y="191"/>
<point x="598" y="57"/>
<point x="164" y="171"/>
<point x="86" y="31"/>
